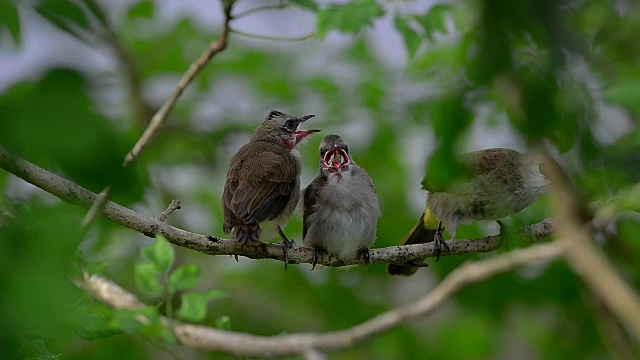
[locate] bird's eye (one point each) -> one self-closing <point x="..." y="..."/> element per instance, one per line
<point x="345" y="148"/>
<point x="323" y="152"/>
<point x="291" y="124"/>
<point x="544" y="170"/>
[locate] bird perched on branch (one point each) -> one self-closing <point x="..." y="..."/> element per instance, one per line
<point x="495" y="183"/>
<point x="340" y="206"/>
<point x="263" y="181"/>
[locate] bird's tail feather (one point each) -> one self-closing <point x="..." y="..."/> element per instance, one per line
<point x="418" y="235"/>
<point x="248" y="234"/>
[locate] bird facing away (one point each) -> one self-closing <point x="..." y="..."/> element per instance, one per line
<point x="340" y="206"/>
<point x="496" y="183"/>
<point x="263" y="181"/>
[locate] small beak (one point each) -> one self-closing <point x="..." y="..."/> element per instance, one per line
<point x="304" y="133"/>
<point x="301" y="134"/>
<point x="305" y="118"/>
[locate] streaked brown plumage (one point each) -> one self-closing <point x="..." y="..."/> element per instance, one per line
<point x="263" y="181"/>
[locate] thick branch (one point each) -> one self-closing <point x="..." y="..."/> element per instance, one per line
<point x="588" y="262"/>
<point x="74" y="194"/>
<point x="242" y="344"/>
<point x="161" y="115"/>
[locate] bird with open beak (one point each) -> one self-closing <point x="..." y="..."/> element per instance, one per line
<point x="495" y="183"/>
<point x="263" y="181"/>
<point x="340" y="206"/>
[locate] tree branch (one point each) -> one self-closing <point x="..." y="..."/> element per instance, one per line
<point x="161" y="115"/>
<point x="260" y="9"/>
<point x="74" y="194"/>
<point x="175" y="205"/>
<point x="97" y="206"/>
<point x="587" y="261"/>
<point x="243" y="344"/>
<point x="274" y="38"/>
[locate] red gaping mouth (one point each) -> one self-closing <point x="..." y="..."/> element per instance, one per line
<point x="336" y="158"/>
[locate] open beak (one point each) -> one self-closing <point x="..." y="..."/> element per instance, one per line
<point x="301" y="134"/>
<point x="336" y="158"/>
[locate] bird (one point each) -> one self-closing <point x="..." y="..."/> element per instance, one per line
<point x="495" y="183"/>
<point x="340" y="206"/>
<point x="263" y="181"/>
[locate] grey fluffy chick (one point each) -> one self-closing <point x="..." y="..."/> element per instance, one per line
<point x="340" y="208"/>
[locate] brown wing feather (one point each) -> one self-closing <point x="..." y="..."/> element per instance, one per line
<point x="485" y="161"/>
<point x="259" y="184"/>
<point x="476" y="163"/>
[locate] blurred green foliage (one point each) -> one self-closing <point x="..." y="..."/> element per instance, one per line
<point x="562" y="75"/>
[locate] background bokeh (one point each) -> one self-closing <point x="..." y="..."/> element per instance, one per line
<point x="406" y="83"/>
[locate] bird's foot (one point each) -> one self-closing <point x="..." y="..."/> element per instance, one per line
<point x="365" y="254"/>
<point x="505" y="235"/>
<point x="316" y="255"/>
<point x="286" y="246"/>
<point x="440" y="243"/>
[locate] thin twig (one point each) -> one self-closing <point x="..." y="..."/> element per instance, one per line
<point x="127" y="63"/>
<point x="274" y="38"/>
<point x="243" y="344"/>
<point x="96" y="207"/>
<point x="260" y="9"/>
<point x="175" y="205"/>
<point x="161" y="115"/>
<point x="74" y="194"/>
<point x="535" y="232"/>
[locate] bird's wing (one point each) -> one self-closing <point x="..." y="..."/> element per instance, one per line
<point x="260" y="185"/>
<point x="309" y="201"/>
<point x="475" y="164"/>
<point x="485" y="161"/>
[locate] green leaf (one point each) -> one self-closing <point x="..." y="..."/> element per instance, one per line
<point x="64" y="14"/>
<point x="36" y="350"/>
<point x="96" y="10"/>
<point x="435" y="20"/>
<point x="411" y="39"/>
<point x="184" y="278"/>
<point x="348" y="18"/>
<point x="309" y="4"/>
<point x="145" y="321"/>
<point x="194" y="305"/>
<point x="10" y="19"/>
<point x="223" y="323"/>
<point x="625" y="93"/>
<point x="146" y="278"/>
<point x="41" y="112"/>
<point x="143" y="10"/>
<point x="134" y="320"/>
<point x="436" y="59"/>
<point x="160" y="253"/>
<point x="92" y="322"/>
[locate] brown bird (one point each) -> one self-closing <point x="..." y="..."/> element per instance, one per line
<point x="496" y="183"/>
<point x="263" y="181"/>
